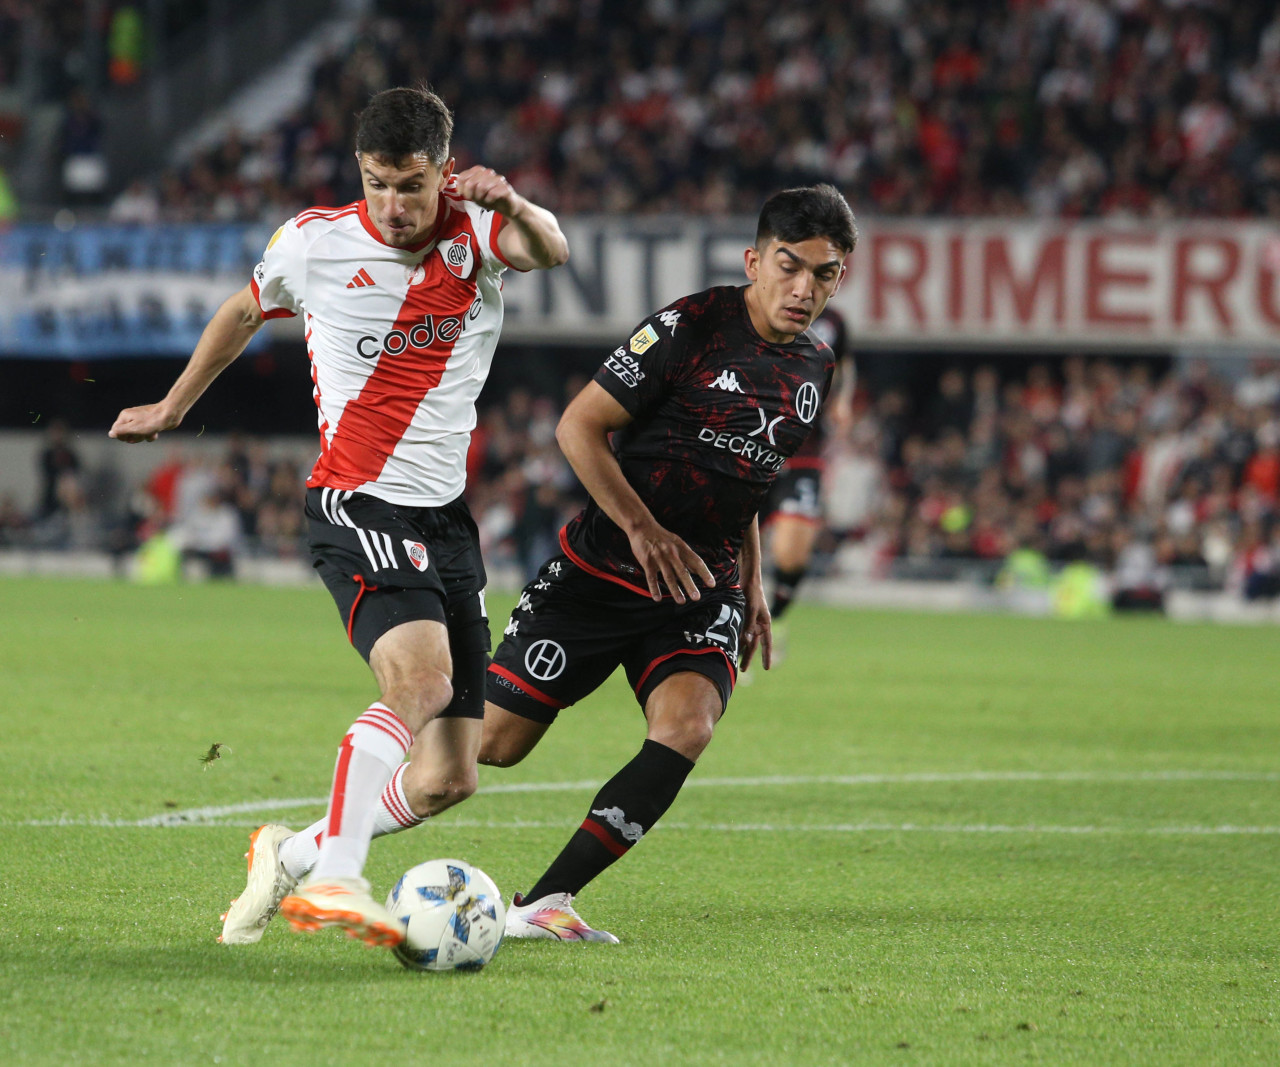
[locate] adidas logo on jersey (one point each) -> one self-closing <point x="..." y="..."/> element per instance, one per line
<point x="361" y="280"/>
<point x="728" y="381"/>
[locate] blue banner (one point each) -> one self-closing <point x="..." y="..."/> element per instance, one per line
<point x="93" y="292"/>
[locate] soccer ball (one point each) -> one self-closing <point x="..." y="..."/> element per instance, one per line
<point x="453" y="916"/>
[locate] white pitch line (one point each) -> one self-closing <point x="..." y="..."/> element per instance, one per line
<point x="765" y="828"/>
<point x="218" y="815"/>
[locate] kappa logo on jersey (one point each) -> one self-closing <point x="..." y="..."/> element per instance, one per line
<point x="417" y="553"/>
<point x="626" y="367"/>
<point x="617" y="818"/>
<point x="458" y="256"/>
<point x="807" y="402"/>
<point x="669" y="320"/>
<point x="361" y="280"/>
<point x="643" y="340"/>
<point x="525" y="604"/>
<point x="728" y="381"/>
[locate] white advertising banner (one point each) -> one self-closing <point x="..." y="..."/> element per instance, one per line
<point x="118" y="291"/>
<point x="961" y="283"/>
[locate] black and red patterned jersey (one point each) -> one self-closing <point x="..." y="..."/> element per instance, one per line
<point x="829" y="328"/>
<point x="717" y="411"/>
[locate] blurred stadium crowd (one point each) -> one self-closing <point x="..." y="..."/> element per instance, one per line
<point x="1157" y="480"/>
<point x="1072" y="108"/>
<point x="1031" y="108"/>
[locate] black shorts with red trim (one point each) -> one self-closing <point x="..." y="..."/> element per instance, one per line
<point x="571" y="630"/>
<point x="797" y="493"/>
<point x="385" y="564"/>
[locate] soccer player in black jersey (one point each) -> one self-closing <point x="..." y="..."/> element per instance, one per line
<point x="661" y="572"/>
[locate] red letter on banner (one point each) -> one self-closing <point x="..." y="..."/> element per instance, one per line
<point x="1049" y="271"/>
<point x="1185" y="279"/>
<point x="1099" y="278"/>
<point x="909" y="282"/>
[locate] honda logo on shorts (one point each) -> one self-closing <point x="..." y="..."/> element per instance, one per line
<point x="545" y="660"/>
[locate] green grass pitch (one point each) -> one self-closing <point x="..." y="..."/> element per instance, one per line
<point x="920" y="840"/>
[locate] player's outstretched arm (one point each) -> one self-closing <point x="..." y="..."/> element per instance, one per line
<point x="532" y="239"/>
<point x="757" y="628"/>
<point x="583" y="434"/>
<point x="230" y="329"/>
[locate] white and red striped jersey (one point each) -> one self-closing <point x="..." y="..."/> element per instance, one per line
<point x="400" y="342"/>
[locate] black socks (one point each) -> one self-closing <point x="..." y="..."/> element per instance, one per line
<point x="624" y="810"/>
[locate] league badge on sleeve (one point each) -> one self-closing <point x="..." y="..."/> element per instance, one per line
<point x="642" y="341"/>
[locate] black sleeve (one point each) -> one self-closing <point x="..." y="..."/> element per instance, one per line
<point x="640" y="373"/>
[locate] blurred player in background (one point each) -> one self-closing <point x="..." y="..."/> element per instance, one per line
<point x="402" y="303"/>
<point x="704" y="402"/>
<point x="793" y="516"/>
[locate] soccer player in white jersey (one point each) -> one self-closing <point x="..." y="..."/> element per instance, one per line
<point x="402" y="305"/>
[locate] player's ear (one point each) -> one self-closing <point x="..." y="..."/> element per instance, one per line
<point x="446" y="171"/>
<point x="844" y="269"/>
<point x="751" y="263"/>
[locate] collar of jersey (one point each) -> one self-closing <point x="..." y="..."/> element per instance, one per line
<point x="442" y="212"/>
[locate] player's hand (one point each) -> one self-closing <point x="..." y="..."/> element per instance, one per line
<point x="757" y="629"/>
<point x="665" y="556"/>
<point x="489" y="189"/>
<point x="142" y="423"/>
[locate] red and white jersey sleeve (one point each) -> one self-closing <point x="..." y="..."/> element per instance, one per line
<point x="400" y="342"/>
<point x="277" y="280"/>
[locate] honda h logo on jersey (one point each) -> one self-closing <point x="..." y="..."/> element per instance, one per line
<point x="420" y="336"/>
<point x="417" y="553"/>
<point x="728" y="381"/>
<point x="807" y="402"/>
<point x="458" y="256"/>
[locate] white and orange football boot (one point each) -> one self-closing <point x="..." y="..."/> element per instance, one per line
<point x="551" y="917"/>
<point x="343" y="902"/>
<point x="269" y="883"/>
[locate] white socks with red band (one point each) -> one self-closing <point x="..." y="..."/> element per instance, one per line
<point x="298" y="853"/>
<point x="370" y="753"/>
<point x="394" y="813"/>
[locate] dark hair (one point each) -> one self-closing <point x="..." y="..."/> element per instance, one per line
<point x="403" y="122"/>
<point x="808" y="212"/>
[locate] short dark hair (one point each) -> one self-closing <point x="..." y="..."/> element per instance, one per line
<point x="399" y="123"/>
<point x="807" y="212"/>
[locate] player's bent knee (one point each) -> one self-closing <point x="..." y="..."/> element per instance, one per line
<point x="432" y="791"/>
<point x="688" y="734"/>
<point x="420" y="697"/>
